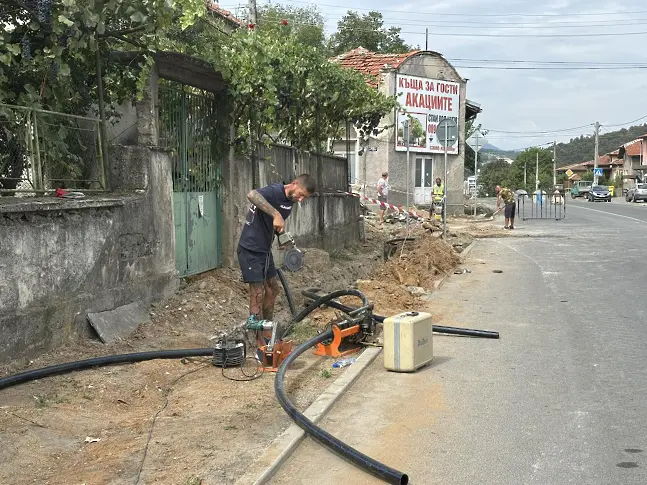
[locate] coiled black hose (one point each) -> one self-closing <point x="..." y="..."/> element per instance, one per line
<point x="323" y="300"/>
<point x="77" y="365"/>
<point x="288" y="293"/>
<point x="384" y="472"/>
<point x="313" y="294"/>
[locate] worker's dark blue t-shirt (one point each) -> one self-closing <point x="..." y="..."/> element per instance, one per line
<point x="258" y="230"/>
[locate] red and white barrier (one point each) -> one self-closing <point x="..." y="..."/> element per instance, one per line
<point x="383" y="205"/>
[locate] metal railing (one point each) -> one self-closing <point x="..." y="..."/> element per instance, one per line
<point x="42" y="150"/>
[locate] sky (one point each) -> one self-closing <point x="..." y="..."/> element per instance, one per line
<point x="529" y="106"/>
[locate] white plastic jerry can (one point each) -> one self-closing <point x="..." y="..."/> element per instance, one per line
<point x="408" y="343"/>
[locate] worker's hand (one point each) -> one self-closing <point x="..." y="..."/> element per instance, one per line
<point x="279" y="223"/>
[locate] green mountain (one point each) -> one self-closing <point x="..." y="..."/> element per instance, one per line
<point x="582" y="149"/>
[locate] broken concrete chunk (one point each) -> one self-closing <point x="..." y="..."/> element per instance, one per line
<point x="119" y="323"/>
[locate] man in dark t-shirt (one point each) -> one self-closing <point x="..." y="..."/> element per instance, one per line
<point x="269" y="208"/>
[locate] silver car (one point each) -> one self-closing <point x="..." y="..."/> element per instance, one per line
<point x="636" y="193"/>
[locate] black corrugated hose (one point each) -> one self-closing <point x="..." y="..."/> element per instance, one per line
<point x="288" y="293"/>
<point x="323" y="300"/>
<point x="77" y="365"/>
<point x="384" y="472"/>
<point x="312" y="293"/>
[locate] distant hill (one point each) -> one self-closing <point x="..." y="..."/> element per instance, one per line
<point x="582" y="149"/>
<point x="490" y="148"/>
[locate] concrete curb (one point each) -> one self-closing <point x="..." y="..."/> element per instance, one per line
<point x="463" y="254"/>
<point x="468" y="248"/>
<point x="266" y="466"/>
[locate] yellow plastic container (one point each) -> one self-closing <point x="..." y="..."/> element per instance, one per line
<point x="408" y="341"/>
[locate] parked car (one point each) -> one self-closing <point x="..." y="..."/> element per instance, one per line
<point x="599" y="192"/>
<point x="636" y="193"/>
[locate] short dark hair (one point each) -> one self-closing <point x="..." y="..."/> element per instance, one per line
<point x="307" y="182"/>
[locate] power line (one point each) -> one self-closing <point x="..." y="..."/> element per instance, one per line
<point x="477" y="34"/>
<point x="564" y="132"/>
<point x="545" y="68"/>
<point x="438" y="14"/>
<point x="628" y="122"/>
<point x="473" y="24"/>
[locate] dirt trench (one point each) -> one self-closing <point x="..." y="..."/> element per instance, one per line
<point x="184" y="422"/>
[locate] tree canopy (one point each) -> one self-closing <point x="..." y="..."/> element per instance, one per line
<point x="281" y="83"/>
<point x="368" y="31"/>
<point x="305" y="24"/>
<point x="500" y="172"/>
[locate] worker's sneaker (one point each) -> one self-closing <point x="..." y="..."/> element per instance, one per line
<point x="506" y="227"/>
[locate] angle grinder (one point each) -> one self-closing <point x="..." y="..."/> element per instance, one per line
<point x="293" y="257"/>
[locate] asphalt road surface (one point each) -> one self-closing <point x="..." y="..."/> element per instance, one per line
<point x="561" y="398"/>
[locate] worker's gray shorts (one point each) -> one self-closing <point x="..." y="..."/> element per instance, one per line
<point x="510" y="210"/>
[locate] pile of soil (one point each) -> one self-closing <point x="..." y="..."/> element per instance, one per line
<point x="421" y="262"/>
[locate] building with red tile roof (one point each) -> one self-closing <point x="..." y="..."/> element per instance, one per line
<point x="230" y="19"/>
<point x="429" y="89"/>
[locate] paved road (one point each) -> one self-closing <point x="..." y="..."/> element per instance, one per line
<point x="561" y="398"/>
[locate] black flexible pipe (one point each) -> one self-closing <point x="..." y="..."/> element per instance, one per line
<point x="312" y="294"/>
<point x="288" y="293"/>
<point x="77" y="365"/>
<point x="384" y="472"/>
<point x="323" y="300"/>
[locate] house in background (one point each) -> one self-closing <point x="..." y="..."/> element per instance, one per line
<point x="430" y="89"/>
<point x="230" y="21"/>
<point x="632" y="154"/>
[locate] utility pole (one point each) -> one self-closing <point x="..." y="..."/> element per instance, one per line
<point x="596" y="158"/>
<point x="476" y="164"/>
<point x="426" y="39"/>
<point x="251" y="13"/>
<point x="554" y="164"/>
<point x="537" y="172"/>
<point x="406" y="138"/>
<point x="525" y="183"/>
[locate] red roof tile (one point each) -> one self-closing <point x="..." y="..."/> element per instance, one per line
<point x="215" y="8"/>
<point x="633" y="148"/>
<point x="371" y="63"/>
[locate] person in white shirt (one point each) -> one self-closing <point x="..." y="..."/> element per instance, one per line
<point x="383" y="194"/>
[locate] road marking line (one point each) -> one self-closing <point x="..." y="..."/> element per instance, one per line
<point x="610" y="214"/>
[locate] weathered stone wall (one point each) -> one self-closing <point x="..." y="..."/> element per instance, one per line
<point x="62" y="259"/>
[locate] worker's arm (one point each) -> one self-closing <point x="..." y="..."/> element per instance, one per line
<point x="379" y="189"/>
<point x="259" y="201"/>
<point x="498" y="200"/>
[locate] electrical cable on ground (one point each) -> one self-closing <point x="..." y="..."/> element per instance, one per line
<point x="159" y="411"/>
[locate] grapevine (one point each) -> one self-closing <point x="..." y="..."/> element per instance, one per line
<point x="44" y="8"/>
<point x="26" y="48"/>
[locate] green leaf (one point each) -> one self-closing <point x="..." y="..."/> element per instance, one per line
<point x="138" y="17"/>
<point x="63" y="19"/>
<point x="64" y="69"/>
<point x="13" y="48"/>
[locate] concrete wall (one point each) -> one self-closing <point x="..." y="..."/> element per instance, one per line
<point x="325" y="220"/>
<point x="386" y="158"/>
<point x="61" y="259"/>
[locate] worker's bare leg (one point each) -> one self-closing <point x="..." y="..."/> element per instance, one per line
<point x="256" y="300"/>
<point x="271" y="291"/>
<point x="512" y="223"/>
<point x="507" y="222"/>
<point x="382" y="216"/>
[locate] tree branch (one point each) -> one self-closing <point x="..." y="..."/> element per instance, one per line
<point x="115" y="33"/>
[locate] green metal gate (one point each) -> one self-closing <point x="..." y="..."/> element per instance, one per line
<point x="189" y="127"/>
